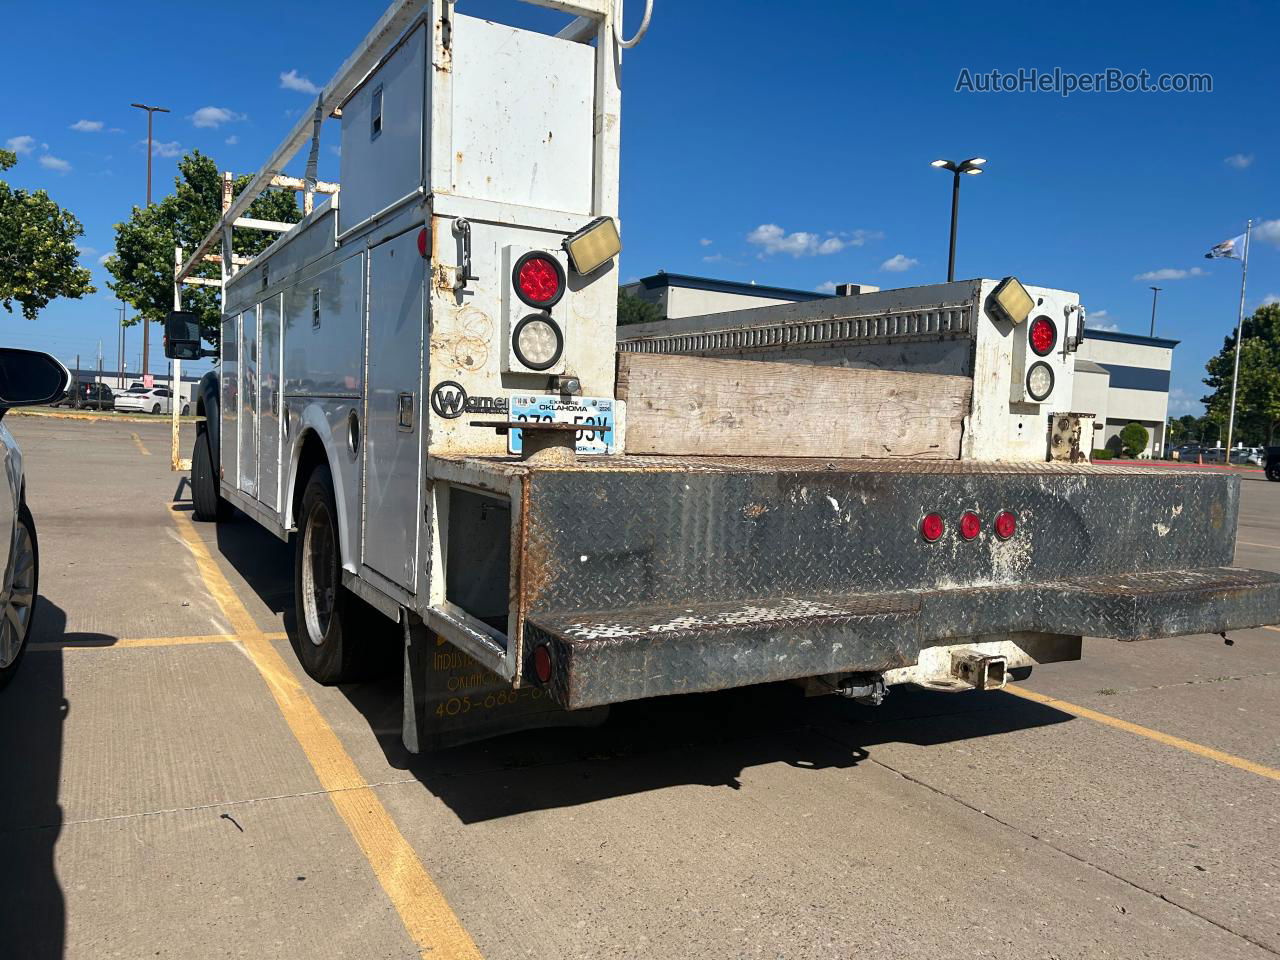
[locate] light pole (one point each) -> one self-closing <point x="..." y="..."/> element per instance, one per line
<point x="971" y="166"/>
<point x="146" y="333"/>
<point x="1155" y="292"/>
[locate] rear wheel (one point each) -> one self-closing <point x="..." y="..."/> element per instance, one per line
<point x="1273" y="471"/>
<point x="155" y="408"/>
<point x="208" y="504"/>
<point x="334" y="636"/>
<point x="17" y="601"/>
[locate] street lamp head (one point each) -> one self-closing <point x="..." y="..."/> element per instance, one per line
<point x="972" y="170"/>
<point x="943" y="164"/>
<point x="975" y="161"/>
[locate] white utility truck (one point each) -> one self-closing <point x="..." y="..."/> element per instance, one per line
<point x="421" y="383"/>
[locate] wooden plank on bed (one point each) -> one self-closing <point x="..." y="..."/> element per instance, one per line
<point x="700" y="406"/>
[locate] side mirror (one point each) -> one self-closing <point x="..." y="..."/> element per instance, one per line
<point x="182" y="336"/>
<point x="28" y="377"/>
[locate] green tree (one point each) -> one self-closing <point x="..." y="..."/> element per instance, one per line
<point x="635" y="310"/>
<point x="1190" y="425"/>
<point x="1134" y="439"/>
<point x="142" y="265"/>
<point x="38" y="256"/>
<point x="1258" y="396"/>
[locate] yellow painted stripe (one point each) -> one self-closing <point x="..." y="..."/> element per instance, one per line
<point x="1250" y="543"/>
<point x="118" y="643"/>
<point x="426" y="915"/>
<point x="137" y="440"/>
<point x="1169" y="741"/>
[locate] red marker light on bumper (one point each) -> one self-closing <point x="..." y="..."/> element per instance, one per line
<point x="932" y="527"/>
<point x="1006" y="525"/>
<point x="970" y="525"/>
<point x="542" y="663"/>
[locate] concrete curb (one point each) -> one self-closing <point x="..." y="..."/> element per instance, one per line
<point x="99" y="415"/>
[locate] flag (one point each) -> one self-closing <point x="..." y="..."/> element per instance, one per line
<point x="1232" y="249"/>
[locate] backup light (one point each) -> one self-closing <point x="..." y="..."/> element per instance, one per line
<point x="1039" y="381"/>
<point x="593" y="246"/>
<point x="538" y="342"/>
<point x="1010" y="301"/>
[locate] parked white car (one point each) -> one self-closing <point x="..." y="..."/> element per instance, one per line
<point x="26" y="378"/>
<point x="146" y="400"/>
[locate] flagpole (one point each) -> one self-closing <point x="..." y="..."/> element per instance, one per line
<point x="1235" y="376"/>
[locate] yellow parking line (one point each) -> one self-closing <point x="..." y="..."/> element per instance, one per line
<point x="138" y="442"/>
<point x="427" y="917"/>
<point x="135" y="642"/>
<point x="1169" y="741"/>
<point x="1250" y="543"/>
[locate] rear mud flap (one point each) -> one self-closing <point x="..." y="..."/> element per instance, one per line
<point x="451" y="699"/>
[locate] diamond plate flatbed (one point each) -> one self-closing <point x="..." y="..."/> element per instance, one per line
<point x="652" y="575"/>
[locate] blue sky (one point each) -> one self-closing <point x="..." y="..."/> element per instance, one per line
<point x="786" y="144"/>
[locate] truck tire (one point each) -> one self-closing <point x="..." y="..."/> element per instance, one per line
<point x="208" y="504"/>
<point x="1273" y="472"/>
<point x="19" y="606"/>
<point x="332" y="638"/>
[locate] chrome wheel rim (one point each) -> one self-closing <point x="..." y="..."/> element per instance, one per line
<point x="319" y="573"/>
<point x="19" y="597"/>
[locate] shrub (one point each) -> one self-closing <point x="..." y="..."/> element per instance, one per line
<point x="1103" y="454"/>
<point x="1134" y="437"/>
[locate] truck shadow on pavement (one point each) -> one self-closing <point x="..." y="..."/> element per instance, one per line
<point x="705" y="739"/>
<point x="33" y="712"/>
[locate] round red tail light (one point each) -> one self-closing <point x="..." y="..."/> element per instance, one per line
<point x="539" y="280"/>
<point x="970" y="525"/>
<point x="931" y="527"/>
<point x="542" y="663"/>
<point x="1006" y="524"/>
<point x="1043" y="335"/>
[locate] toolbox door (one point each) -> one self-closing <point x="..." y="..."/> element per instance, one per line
<point x="249" y="402"/>
<point x="269" y="375"/>
<point x="393" y="418"/>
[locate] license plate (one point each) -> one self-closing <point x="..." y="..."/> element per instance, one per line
<point x="594" y="413"/>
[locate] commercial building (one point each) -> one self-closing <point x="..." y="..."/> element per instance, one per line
<point x="679" y="295"/>
<point x="1123" y="378"/>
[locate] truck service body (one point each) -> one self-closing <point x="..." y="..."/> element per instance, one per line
<point x="409" y="379"/>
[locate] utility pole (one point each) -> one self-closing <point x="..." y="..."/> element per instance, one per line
<point x="1155" y="292"/>
<point x="120" y="353"/>
<point x="1235" y="373"/>
<point x="146" y="332"/>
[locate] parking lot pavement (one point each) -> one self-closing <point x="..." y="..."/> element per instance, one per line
<point x="173" y="784"/>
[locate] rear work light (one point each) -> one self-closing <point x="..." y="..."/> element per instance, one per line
<point x="593" y="246"/>
<point x="1043" y="335"/>
<point x="932" y="527"/>
<point x="539" y="280"/>
<point x="970" y="525"/>
<point x="1006" y="524"/>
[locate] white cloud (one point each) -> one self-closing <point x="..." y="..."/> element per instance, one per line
<point x="1101" y="320"/>
<point x="335" y="150"/>
<point x="771" y="239"/>
<point x="232" y="140"/>
<point x="21" y="145"/>
<point x="1239" y="161"/>
<point x="103" y="259"/>
<point x="705" y="241"/>
<point x="167" y="148"/>
<point x="899" y="262"/>
<point x="828" y="287"/>
<point x="714" y="258"/>
<point x="1170" y="273"/>
<point x="1181" y="402"/>
<point x="1268" y="231"/>
<point x="86" y="251"/>
<point x="1270" y="299"/>
<point x="213" y="117"/>
<point x="50" y="162"/>
<point x="88" y="126"/>
<point x="294" y="81"/>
